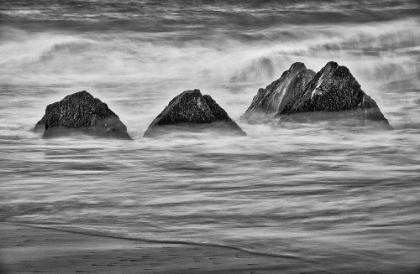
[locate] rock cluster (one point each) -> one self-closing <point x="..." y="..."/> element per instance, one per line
<point x="81" y="113"/>
<point x="333" y="92"/>
<point x="298" y="95"/>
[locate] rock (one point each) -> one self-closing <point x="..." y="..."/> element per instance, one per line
<point x="191" y="111"/>
<point x="81" y="113"/>
<point x="334" y="89"/>
<point x="278" y="94"/>
<point x="40" y="126"/>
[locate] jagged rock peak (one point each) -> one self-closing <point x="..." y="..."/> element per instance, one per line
<point x="279" y="93"/>
<point x="81" y="113"/>
<point x="188" y="109"/>
<point x="297" y="67"/>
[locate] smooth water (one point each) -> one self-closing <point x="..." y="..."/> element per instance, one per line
<point x="344" y="200"/>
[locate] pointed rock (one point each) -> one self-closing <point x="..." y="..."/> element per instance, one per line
<point x="334" y="89"/>
<point x="81" y="113"/>
<point x="191" y="111"/>
<point x="279" y="93"/>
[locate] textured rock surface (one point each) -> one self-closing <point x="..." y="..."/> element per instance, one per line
<point x="279" y="93"/>
<point x="334" y="89"/>
<point x="81" y="113"/>
<point x="192" y="111"/>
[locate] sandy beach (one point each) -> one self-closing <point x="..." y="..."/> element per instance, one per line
<point x="26" y="249"/>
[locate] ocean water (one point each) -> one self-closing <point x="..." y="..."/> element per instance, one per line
<point x="341" y="200"/>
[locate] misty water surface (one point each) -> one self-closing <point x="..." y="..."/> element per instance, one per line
<point x="339" y="199"/>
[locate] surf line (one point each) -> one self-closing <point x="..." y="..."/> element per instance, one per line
<point x="174" y="242"/>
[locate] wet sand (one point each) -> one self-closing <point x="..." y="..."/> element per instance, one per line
<point x="26" y="249"/>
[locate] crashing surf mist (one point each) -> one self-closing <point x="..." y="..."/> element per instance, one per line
<point x="383" y="56"/>
<point x="340" y="199"/>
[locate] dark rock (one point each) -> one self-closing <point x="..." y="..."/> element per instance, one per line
<point x="333" y="89"/>
<point x="81" y="113"/>
<point x="191" y="111"/>
<point x="40" y="126"/>
<point x="278" y="94"/>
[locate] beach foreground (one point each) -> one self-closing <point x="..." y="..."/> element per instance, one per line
<point x="26" y="249"/>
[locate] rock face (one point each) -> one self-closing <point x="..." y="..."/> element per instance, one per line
<point x="191" y="111"/>
<point x="334" y="89"/>
<point x="81" y="113"/>
<point x="279" y="93"/>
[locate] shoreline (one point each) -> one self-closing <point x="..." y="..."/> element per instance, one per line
<point x="28" y="249"/>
